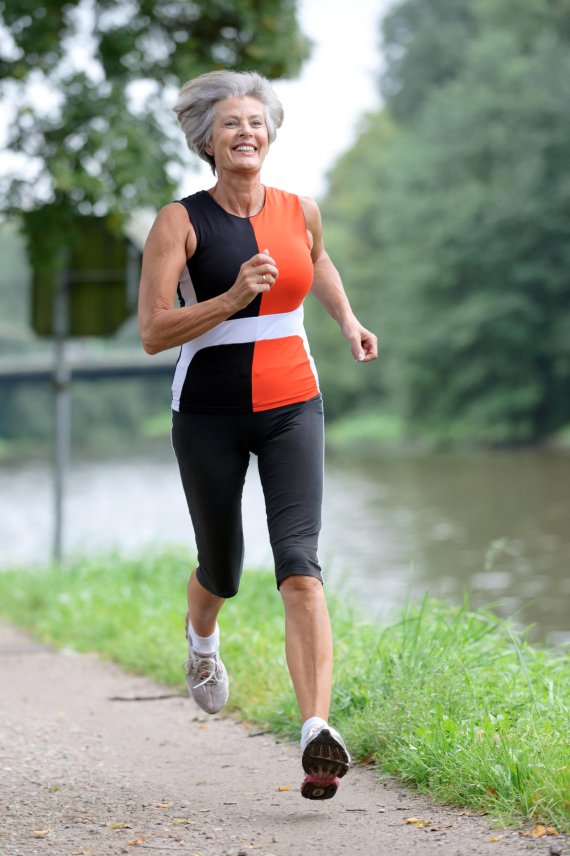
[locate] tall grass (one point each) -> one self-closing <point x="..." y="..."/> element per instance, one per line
<point x="450" y="700"/>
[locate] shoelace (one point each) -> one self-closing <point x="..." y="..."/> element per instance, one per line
<point x="208" y="668"/>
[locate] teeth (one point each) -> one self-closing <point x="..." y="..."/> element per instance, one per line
<point x="244" y="149"/>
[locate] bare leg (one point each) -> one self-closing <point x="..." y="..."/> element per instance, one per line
<point x="308" y="644"/>
<point x="203" y="607"/>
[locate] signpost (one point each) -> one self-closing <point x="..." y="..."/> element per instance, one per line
<point x="90" y="289"/>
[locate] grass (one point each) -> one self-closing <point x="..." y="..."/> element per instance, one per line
<point x="450" y="700"/>
<point x="369" y="429"/>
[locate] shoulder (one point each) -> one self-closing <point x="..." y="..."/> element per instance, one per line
<point x="311" y="212"/>
<point x="172" y="227"/>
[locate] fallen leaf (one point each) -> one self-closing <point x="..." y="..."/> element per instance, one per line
<point x="416" y="821"/>
<point x="161" y="805"/>
<point x="42" y="833"/>
<point x="86" y="851"/>
<point x="541" y="830"/>
<point x="285" y="788"/>
<point x="134" y="841"/>
<point x="496" y="838"/>
<point x="119" y="826"/>
<point x="55" y="788"/>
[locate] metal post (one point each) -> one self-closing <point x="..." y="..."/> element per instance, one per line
<point x="62" y="396"/>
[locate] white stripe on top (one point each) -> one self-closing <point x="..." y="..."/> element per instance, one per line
<point x="239" y="331"/>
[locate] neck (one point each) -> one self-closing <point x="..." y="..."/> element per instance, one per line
<point x="243" y="196"/>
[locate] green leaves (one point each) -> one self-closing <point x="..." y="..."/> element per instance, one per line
<point x="463" y="224"/>
<point x="98" y="149"/>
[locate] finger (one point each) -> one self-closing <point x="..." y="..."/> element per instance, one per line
<point x="263" y="258"/>
<point x="357" y="350"/>
<point x="370" y="352"/>
<point x="267" y="270"/>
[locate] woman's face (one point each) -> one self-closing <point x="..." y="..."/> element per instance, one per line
<point x="239" y="136"/>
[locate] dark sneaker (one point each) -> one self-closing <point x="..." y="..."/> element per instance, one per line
<point x="207" y="680"/>
<point x="325" y="760"/>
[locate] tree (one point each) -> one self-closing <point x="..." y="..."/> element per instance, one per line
<point x="351" y="231"/>
<point x="466" y="224"/>
<point x="424" y="46"/>
<point x="476" y="208"/>
<point x="95" y="147"/>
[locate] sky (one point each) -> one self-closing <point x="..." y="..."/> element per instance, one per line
<point x="338" y="84"/>
<point x="324" y="105"/>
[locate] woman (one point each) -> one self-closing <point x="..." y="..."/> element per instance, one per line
<point x="241" y="258"/>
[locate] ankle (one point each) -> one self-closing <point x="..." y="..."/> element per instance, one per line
<point x="204" y="644"/>
<point x="308" y="725"/>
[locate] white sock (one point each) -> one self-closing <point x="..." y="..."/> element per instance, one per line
<point x="204" y="644"/>
<point x="307" y="725"/>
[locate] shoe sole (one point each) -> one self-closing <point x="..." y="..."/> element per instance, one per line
<point x="319" y="789"/>
<point x="325" y="759"/>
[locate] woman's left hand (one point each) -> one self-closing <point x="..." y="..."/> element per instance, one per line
<point x="363" y="343"/>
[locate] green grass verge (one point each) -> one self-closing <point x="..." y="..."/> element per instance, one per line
<point x="367" y="430"/>
<point x="448" y="699"/>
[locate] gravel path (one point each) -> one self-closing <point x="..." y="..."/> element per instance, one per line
<point x="83" y="772"/>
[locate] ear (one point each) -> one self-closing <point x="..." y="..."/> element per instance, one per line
<point x="209" y="148"/>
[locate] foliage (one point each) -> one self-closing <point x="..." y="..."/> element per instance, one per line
<point x="91" y="80"/>
<point x="424" y="46"/>
<point x="462" y="228"/>
<point x="351" y="231"/>
<point x="448" y="699"/>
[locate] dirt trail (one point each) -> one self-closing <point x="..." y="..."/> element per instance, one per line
<point x="83" y="773"/>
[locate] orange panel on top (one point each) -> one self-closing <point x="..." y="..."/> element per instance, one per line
<point x="281" y="373"/>
<point x="280" y="228"/>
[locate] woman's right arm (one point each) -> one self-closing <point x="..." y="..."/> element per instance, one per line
<point x="170" y="243"/>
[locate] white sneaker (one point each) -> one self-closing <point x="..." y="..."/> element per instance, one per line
<point x="207" y="680"/>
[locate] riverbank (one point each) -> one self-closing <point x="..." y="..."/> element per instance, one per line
<point x="452" y="701"/>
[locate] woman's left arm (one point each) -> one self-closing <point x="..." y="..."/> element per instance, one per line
<point x="329" y="290"/>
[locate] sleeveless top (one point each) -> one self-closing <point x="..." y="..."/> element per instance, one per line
<point x="259" y="358"/>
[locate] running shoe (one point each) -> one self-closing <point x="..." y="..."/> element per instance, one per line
<point x="207" y="680"/>
<point x="325" y="761"/>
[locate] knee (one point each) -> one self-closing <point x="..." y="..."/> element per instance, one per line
<point x="301" y="590"/>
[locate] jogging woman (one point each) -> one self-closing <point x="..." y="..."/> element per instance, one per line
<point x="241" y="258"/>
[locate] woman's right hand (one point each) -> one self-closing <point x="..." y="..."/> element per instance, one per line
<point x="256" y="275"/>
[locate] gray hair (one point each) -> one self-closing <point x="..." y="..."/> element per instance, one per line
<point x="195" y="106"/>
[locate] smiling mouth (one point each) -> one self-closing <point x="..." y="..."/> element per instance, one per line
<point x="245" y="148"/>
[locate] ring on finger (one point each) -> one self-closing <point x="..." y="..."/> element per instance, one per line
<point x="264" y="278"/>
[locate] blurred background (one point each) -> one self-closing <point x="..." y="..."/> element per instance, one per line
<point x="436" y="136"/>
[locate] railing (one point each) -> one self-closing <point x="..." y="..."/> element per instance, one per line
<point x="28" y="368"/>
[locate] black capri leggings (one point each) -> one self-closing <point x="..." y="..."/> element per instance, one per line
<point x="213" y="455"/>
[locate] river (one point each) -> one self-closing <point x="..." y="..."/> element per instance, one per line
<point x="494" y="525"/>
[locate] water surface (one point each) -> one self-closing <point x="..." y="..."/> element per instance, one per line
<point x="491" y="524"/>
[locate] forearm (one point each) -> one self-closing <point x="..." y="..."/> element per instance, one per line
<point x="329" y="291"/>
<point x="170" y="328"/>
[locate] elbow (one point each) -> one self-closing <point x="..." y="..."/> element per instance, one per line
<point x="149" y="341"/>
<point x="150" y="348"/>
<point x="150" y="345"/>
